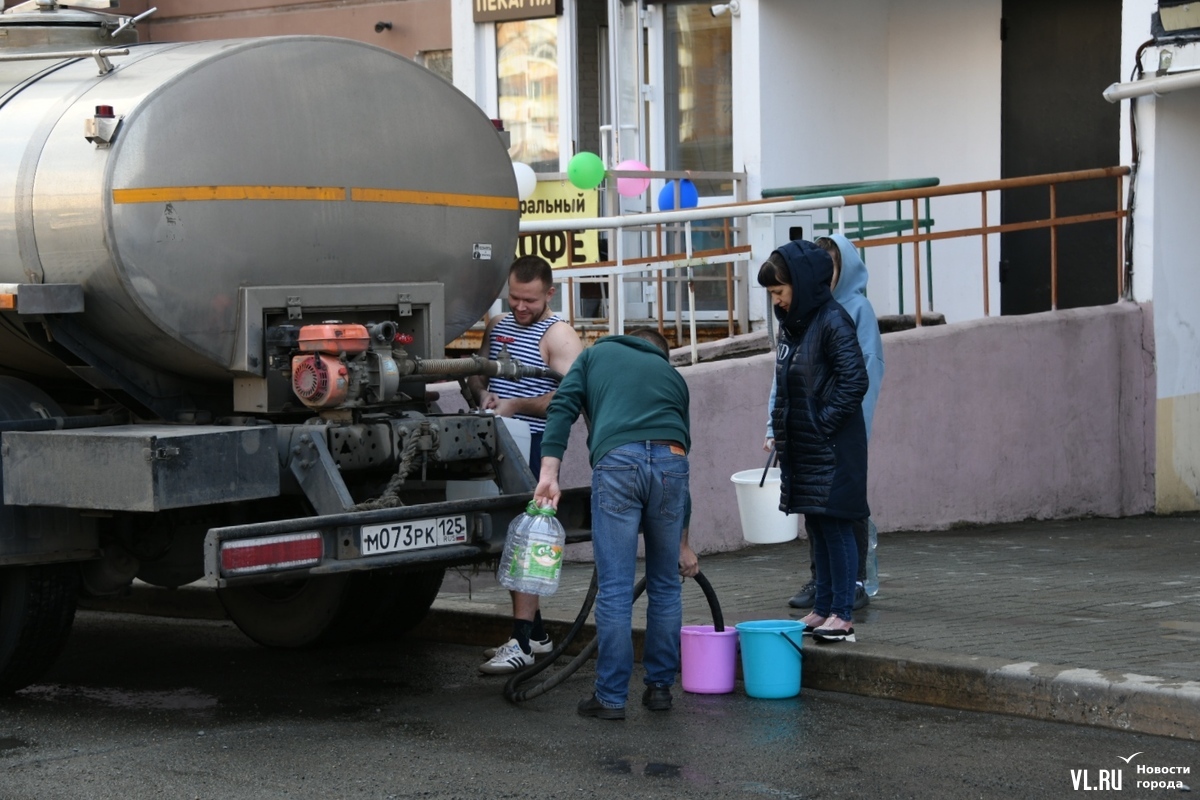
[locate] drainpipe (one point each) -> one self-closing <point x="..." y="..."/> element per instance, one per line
<point x="1155" y="86"/>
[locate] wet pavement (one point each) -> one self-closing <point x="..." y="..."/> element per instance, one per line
<point x="151" y="707"/>
<point x="1092" y="621"/>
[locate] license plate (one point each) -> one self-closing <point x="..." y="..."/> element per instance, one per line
<point x="413" y="534"/>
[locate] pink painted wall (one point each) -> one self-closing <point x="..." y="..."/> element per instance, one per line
<point x="417" y="25"/>
<point x="1041" y="416"/>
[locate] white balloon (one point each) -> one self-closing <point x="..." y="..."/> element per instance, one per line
<point x="526" y="180"/>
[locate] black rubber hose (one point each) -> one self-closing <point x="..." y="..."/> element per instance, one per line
<point x="514" y="694"/>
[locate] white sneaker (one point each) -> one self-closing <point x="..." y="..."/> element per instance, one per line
<point x="538" y="647"/>
<point x="509" y="658"/>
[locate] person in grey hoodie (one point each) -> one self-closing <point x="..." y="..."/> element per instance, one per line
<point x="850" y="290"/>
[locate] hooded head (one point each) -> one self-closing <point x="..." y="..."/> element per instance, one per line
<point x="852" y="275"/>
<point x="809" y="271"/>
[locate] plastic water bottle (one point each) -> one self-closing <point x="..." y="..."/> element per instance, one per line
<point x="533" y="552"/>
<point x="871" y="584"/>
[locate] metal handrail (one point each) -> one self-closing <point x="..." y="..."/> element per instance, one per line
<point x="736" y="253"/>
<point x="1053" y="222"/>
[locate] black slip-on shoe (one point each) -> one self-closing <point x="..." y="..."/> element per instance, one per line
<point x="591" y="707"/>
<point x="806" y="597"/>
<point x="657" y="698"/>
<point x="861" y="598"/>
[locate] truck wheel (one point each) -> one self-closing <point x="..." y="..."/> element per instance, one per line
<point x="303" y="613"/>
<point x="415" y="593"/>
<point x="37" y="607"/>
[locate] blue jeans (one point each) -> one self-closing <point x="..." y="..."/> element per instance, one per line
<point x="637" y="486"/>
<point x="835" y="557"/>
<point x="535" y="454"/>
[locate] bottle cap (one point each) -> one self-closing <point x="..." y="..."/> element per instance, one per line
<point x="534" y="510"/>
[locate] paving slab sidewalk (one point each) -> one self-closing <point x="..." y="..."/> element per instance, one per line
<point x="1093" y="621"/>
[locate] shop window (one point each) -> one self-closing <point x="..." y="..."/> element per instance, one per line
<point x="699" y="93"/>
<point x="527" y="70"/>
<point x="439" y="62"/>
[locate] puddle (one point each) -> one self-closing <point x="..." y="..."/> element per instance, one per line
<point x="177" y="700"/>
<point x="650" y="769"/>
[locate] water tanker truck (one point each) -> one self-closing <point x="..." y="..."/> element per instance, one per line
<point x="228" y="272"/>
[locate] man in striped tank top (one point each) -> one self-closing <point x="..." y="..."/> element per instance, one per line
<point x="535" y="336"/>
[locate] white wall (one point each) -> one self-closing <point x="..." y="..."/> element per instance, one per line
<point x="823" y="91"/>
<point x="864" y="90"/>
<point x="944" y="122"/>
<point x="1177" y="259"/>
<point x="1135" y="29"/>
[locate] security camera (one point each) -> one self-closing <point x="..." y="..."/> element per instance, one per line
<point x="733" y="7"/>
<point x="380" y="27"/>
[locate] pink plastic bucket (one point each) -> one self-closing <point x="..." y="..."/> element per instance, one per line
<point x="709" y="659"/>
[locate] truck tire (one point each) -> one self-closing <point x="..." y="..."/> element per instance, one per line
<point x="37" y="607"/>
<point x="309" y="612"/>
<point x="336" y="609"/>
<point x="415" y="593"/>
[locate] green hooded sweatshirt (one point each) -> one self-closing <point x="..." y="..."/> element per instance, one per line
<point x="630" y="392"/>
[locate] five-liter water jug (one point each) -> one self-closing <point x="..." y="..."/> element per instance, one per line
<point x="533" y="552"/>
<point x="871" y="584"/>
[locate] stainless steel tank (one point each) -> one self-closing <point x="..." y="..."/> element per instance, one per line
<point x="287" y="161"/>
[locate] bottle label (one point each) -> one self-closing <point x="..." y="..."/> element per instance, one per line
<point x="545" y="561"/>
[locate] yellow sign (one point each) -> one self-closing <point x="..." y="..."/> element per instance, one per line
<point x="561" y="200"/>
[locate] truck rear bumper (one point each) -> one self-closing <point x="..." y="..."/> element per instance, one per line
<point x="429" y="535"/>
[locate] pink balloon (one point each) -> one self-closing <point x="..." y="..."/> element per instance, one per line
<point x="632" y="187"/>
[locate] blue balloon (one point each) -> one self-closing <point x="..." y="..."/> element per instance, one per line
<point x="689" y="197"/>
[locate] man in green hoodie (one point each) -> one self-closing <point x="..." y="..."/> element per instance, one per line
<point x="638" y="442"/>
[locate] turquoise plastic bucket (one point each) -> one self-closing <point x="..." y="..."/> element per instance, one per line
<point x="771" y="657"/>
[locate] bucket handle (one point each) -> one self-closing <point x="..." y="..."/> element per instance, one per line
<point x="788" y="639"/>
<point x="771" y="456"/>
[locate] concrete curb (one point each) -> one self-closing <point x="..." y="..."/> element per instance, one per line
<point x="1128" y="702"/>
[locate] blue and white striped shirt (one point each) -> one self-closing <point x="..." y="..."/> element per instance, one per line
<point x="526" y="348"/>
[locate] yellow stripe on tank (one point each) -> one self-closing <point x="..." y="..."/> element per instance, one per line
<point x="433" y="199"/>
<point x="175" y="194"/>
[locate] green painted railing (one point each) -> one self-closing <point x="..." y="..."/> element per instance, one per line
<point x="861" y="228"/>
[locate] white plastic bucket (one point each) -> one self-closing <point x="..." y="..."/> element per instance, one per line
<point x="762" y="521"/>
<point x="518" y="429"/>
<point x="486" y="487"/>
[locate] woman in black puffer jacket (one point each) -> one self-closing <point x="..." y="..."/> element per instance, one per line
<point x="818" y="422"/>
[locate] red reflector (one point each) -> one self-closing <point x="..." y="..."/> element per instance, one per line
<point x="105" y="112"/>
<point x="271" y="552"/>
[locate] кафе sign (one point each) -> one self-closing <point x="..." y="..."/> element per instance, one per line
<point x="506" y="10"/>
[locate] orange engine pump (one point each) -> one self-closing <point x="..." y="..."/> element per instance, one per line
<point x="320" y="377"/>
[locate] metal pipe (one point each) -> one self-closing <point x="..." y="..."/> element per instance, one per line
<point x="1053" y="248"/>
<point x="61" y="55"/>
<point x="916" y="261"/>
<point x="685" y="215"/>
<point x="1120" y="238"/>
<point x="978" y="186"/>
<point x="1155" y="86"/>
<point x="987" y="306"/>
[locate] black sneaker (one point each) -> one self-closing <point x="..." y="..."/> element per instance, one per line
<point x="861" y="600"/>
<point x="805" y="597"/>
<point x="591" y="707"/>
<point x="657" y="697"/>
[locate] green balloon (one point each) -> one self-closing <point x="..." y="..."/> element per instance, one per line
<point x="585" y="170"/>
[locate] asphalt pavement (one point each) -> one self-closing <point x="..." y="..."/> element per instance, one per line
<point x="1093" y="621"/>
